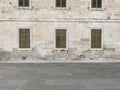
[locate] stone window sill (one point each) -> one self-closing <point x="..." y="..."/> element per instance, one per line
<point x="24" y="8"/>
<point x="97" y="9"/>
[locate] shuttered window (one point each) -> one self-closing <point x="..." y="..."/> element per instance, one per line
<point x="61" y="38"/>
<point x="24" y="38"/>
<point x="60" y="3"/>
<point x="96" y="4"/>
<point x="23" y="3"/>
<point x="96" y="38"/>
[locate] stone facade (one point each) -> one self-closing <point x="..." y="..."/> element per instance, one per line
<point x="43" y="18"/>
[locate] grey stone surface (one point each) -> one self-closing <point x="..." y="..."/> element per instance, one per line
<point x="18" y="82"/>
<point x="60" y="76"/>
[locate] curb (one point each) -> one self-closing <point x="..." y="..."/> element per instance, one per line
<point x="61" y="61"/>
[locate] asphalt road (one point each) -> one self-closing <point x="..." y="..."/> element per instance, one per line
<point x="60" y="76"/>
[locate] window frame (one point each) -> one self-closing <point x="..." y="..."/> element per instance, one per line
<point x="101" y="39"/>
<point x="95" y="8"/>
<point x="66" y="39"/>
<point x="25" y="7"/>
<point x="30" y="38"/>
<point x="61" y="8"/>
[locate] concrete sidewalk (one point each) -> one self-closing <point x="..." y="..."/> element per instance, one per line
<point x="61" y="76"/>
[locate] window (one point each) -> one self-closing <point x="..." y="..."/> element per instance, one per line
<point x="24" y="38"/>
<point x="61" y="38"/>
<point x="96" y="4"/>
<point x="96" y="38"/>
<point x="60" y="3"/>
<point x="23" y="3"/>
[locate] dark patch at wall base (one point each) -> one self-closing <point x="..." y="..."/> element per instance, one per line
<point x="69" y="54"/>
<point x="5" y="55"/>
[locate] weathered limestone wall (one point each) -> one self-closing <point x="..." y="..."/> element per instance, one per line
<point x="45" y="9"/>
<point x="43" y="18"/>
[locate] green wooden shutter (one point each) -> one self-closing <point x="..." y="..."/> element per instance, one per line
<point x="99" y="3"/>
<point x="24" y="38"/>
<point x="21" y="38"/>
<point x="60" y="38"/>
<point x="57" y="39"/>
<point x="93" y="3"/>
<point x="21" y="2"/>
<point x="92" y="39"/>
<point x="96" y="3"/>
<point x="58" y="3"/>
<point x="99" y="38"/>
<point x="27" y="38"/>
<point x="26" y="3"/>
<point x="63" y="3"/>
<point x="63" y="39"/>
<point x="96" y="38"/>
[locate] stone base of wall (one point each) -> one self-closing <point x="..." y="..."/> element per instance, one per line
<point x="70" y="54"/>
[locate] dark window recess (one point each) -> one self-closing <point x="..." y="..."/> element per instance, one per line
<point x="24" y="3"/>
<point x="60" y="38"/>
<point x="24" y="38"/>
<point x="96" y="38"/>
<point x="96" y="4"/>
<point x="60" y="3"/>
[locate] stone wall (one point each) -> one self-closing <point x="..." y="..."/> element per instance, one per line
<point x="43" y="18"/>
